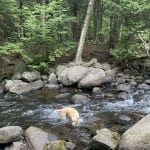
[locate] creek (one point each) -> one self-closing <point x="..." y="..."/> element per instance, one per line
<point x="104" y="110"/>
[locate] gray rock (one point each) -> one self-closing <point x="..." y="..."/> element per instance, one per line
<point x="17" y="76"/>
<point x="72" y="75"/>
<point x="60" y="68"/>
<point x="143" y="86"/>
<point x="31" y="76"/>
<point x="52" y="86"/>
<point x="94" y="78"/>
<point x="137" y="137"/>
<point x="37" y="138"/>
<point x="110" y="75"/>
<point x="133" y="83"/>
<point x="96" y="90"/>
<point x="93" y="63"/>
<point x="52" y="79"/>
<point x="123" y="95"/>
<point x="11" y="83"/>
<point x="106" y="66"/>
<point x="147" y="81"/>
<point x="70" y="146"/>
<point x="17" y="146"/>
<point x="123" y="87"/>
<point x="106" y="139"/>
<point x="10" y="133"/>
<point x="44" y="78"/>
<point x="23" y="87"/>
<point x="120" y="80"/>
<point x="62" y="96"/>
<point x="79" y="99"/>
<point x="55" y="145"/>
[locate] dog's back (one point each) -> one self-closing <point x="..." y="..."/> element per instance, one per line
<point x="70" y="112"/>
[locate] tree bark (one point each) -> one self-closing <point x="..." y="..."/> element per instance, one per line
<point x="78" y="58"/>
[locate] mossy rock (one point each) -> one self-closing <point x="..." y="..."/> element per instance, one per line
<point x="55" y="145"/>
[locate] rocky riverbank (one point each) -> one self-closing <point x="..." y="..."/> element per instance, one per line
<point x="93" y="77"/>
<point x="135" y="138"/>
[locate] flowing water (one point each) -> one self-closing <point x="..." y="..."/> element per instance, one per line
<point x="105" y="110"/>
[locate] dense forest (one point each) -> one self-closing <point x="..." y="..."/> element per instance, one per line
<point x="40" y="31"/>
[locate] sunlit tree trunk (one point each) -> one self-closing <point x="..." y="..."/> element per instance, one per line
<point x="78" y="58"/>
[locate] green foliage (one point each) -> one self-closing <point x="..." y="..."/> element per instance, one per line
<point x="127" y="53"/>
<point x="47" y="30"/>
<point x="42" y="67"/>
<point x="10" y="48"/>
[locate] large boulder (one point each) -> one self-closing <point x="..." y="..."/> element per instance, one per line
<point x="10" y="133"/>
<point x="60" y="68"/>
<point x="94" y="78"/>
<point x="79" y="99"/>
<point x="72" y="75"/>
<point x="31" y="76"/>
<point x="137" y="137"/>
<point x="20" y="87"/>
<point x="106" y="140"/>
<point x="38" y="138"/>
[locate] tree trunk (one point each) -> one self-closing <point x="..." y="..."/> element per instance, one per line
<point x="78" y="58"/>
<point x="98" y="20"/>
<point x="115" y="25"/>
<point x="43" y="18"/>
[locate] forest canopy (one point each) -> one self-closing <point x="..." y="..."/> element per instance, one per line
<point x="40" y="31"/>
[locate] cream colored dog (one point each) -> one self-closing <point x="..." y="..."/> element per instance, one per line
<point x="69" y="112"/>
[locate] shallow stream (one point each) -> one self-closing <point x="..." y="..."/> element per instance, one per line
<point x="37" y="109"/>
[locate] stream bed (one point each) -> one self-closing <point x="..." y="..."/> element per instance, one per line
<point x="104" y="110"/>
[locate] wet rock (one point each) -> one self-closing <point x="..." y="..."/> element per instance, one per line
<point x="123" y="87"/>
<point x="10" y="133"/>
<point x="52" y="79"/>
<point x="52" y="86"/>
<point x="137" y="137"/>
<point x="124" y="118"/>
<point x="105" y="140"/>
<point x="143" y="86"/>
<point x="61" y="96"/>
<point x="123" y="95"/>
<point x="31" y="76"/>
<point x="23" y="87"/>
<point x="72" y="75"/>
<point x="17" y="146"/>
<point x="133" y="83"/>
<point x="96" y="90"/>
<point x="147" y="81"/>
<point x="70" y="146"/>
<point x="37" y="138"/>
<point x="95" y="77"/>
<point x="79" y="99"/>
<point x="120" y="80"/>
<point x="55" y="145"/>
